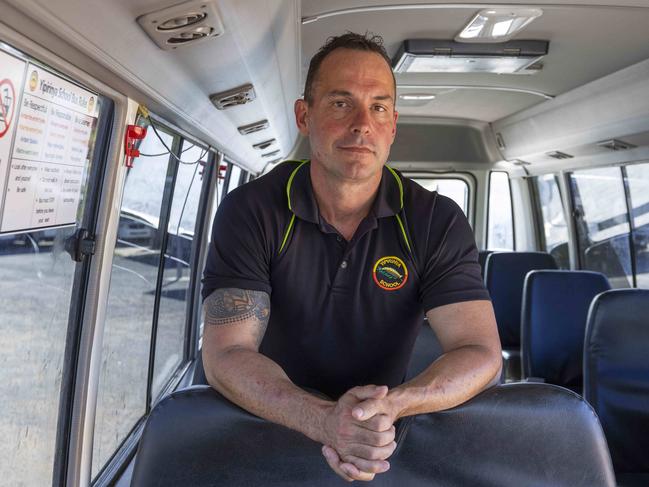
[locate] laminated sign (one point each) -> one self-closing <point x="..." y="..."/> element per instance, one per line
<point x="46" y="126"/>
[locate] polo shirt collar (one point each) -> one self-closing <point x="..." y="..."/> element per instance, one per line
<point x="302" y="202"/>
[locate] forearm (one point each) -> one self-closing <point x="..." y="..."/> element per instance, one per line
<point x="452" y="379"/>
<point x="260" y="386"/>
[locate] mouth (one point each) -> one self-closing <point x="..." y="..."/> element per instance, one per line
<point x="359" y="149"/>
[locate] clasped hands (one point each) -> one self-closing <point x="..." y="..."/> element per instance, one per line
<point x="360" y="433"/>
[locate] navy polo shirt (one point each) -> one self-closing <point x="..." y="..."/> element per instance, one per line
<point x="342" y="313"/>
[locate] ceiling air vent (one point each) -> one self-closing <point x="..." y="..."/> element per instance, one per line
<point x="231" y="98"/>
<point x="180" y="25"/>
<point x="271" y="154"/>
<point x="519" y="162"/>
<point x="253" y="127"/>
<point x="616" y="145"/>
<point x="264" y="145"/>
<point x="559" y="155"/>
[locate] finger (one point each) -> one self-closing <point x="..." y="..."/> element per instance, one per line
<point x="361" y="393"/>
<point x="380" y="422"/>
<point x="371" y="452"/>
<point x="370" y="466"/>
<point x="334" y="462"/>
<point x="368" y="409"/>
<point x="355" y="473"/>
<point x="373" y="438"/>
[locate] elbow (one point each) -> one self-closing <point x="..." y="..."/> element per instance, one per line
<point x="216" y="365"/>
<point x="495" y="367"/>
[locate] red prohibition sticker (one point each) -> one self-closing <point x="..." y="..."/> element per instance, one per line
<point x="7" y="105"/>
<point x="390" y="273"/>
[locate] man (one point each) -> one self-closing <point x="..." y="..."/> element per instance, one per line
<point x="320" y="273"/>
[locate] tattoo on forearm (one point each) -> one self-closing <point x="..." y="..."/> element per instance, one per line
<point x="231" y="305"/>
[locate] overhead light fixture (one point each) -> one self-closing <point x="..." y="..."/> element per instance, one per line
<point x="416" y="97"/>
<point x="435" y="56"/>
<point x="498" y="24"/>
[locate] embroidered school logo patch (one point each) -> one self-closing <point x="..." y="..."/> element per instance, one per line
<point x="390" y="273"/>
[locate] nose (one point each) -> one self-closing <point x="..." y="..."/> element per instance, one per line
<point x="361" y="123"/>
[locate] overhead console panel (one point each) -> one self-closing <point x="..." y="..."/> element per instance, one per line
<point x="583" y="121"/>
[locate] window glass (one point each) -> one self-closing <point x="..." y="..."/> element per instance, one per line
<point x="500" y="232"/>
<point x="638" y="179"/>
<point x="454" y="188"/>
<point x="235" y="175"/>
<point x="184" y="209"/>
<point x="602" y="223"/>
<point x="555" y="229"/>
<point x="45" y="159"/>
<point x="121" y="398"/>
<point x="172" y="316"/>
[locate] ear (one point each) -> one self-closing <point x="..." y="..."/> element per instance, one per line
<point x="301" y="109"/>
<point x="394" y="125"/>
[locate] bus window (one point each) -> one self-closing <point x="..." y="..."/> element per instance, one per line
<point x="172" y="317"/>
<point x="555" y="230"/>
<point x="455" y="188"/>
<point x="638" y="181"/>
<point x="602" y="223"/>
<point x="49" y="149"/>
<point x="123" y="382"/>
<point x="500" y="224"/>
<point x="235" y="177"/>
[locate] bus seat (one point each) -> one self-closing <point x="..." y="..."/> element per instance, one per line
<point x="616" y="377"/>
<point x="504" y="276"/>
<point x="510" y="435"/>
<point x="482" y="259"/>
<point x="553" y="323"/>
<point x="425" y="351"/>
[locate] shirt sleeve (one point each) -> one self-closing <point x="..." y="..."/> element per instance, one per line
<point x="238" y="251"/>
<point x="451" y="272"/>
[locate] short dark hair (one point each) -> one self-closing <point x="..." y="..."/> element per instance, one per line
<point x="358" y="42"/>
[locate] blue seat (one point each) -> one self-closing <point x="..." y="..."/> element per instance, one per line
<point x="482" y="259"/>
<point x="511" y="436"/>
<point x="616" y="378"/>
<point x="553" y="323"/>
<point x="504" y="277"/>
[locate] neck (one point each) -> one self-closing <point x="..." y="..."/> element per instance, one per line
<point x="343" y="203"/>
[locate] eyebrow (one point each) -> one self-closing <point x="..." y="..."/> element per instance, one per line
<point x="334" y="93"/>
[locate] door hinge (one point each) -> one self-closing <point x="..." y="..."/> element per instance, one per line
<point x="80" y="244"/>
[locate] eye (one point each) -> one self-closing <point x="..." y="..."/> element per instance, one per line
<point x="340" y="104"/>
<point x="380" y="108"/>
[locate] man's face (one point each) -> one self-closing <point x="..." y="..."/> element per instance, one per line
<point x="351" y="122"/>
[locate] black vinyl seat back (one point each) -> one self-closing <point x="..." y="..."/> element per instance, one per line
<point x="509" y="436"/>
<point x="616" y="374"/>
<point x="504" y="276"/>
<point x="553" y="324"/>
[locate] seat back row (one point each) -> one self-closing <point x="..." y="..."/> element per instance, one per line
<point x="196" y="437"/>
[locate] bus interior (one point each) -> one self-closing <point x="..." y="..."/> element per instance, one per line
<point x="124" y="124"/>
